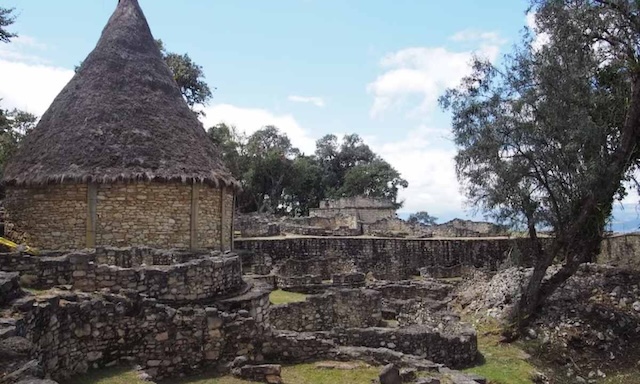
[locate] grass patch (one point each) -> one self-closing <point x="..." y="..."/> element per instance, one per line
<point x="283" y="297"/>
<point x="630" y="377"/>
<point x="294" y="374"/>
<point x="503" y="363"/>
<point x="116" y="375"/>
<point x="301" y="374"/>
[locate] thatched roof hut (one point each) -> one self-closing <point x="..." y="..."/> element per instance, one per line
<point x="121" y="120"/>
<point x="121" y="117"/>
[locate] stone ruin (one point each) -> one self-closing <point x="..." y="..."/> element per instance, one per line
<point x="176" y="312"/>
<point x="357" y="216"/>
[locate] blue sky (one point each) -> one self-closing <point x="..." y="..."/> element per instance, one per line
<point x="310" y="67"/>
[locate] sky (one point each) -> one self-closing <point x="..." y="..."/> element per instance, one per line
<point x="309" y="67"/>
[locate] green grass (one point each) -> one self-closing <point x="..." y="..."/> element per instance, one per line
<point x="503" y="363"/>
<point x="283" y="297"/>
<point x="630" y="377"/>
<point x="294" y="374"/>
<point x="117" y="375"/>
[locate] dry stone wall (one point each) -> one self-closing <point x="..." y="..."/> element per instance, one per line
<point x="388" y="259"/>
<point x="73" y="332"/>
<point x="457" y="350"/>
<point x="621" y="251"/>
<point x="343" y="308"/>
<point x="134" y="214"/>
<point x="47" y="217"/>
<point x="169" y="277"/>
<point x="127" y="214"/>
<point x="209" y="230"/>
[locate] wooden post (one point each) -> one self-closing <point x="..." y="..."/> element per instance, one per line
<point x="92" y="202"/>
<point x="222" y="218"/>
<point x="195" y="192"/>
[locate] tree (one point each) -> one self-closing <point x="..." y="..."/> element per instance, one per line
<point x="351" y="168"/>
<point x="423" y="217"/>
<point x="375" y="179"/>
<point x="305" y="189"/>
<point x="269" y="156"/>
<point x="14" y="125"/>
<point x="232" y="146"/>
<point x="6" y="20"/>
<point x="189" y="76"/>
<point x="548" y="139"/>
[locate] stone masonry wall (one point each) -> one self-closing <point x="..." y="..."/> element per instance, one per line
<point x="47" y="217"/>
<point x="455" y="350"/>
<point x="227" y="220"/>
<point x="209" y="217"/>
<point x="345" y="308"/>
<point x="144" y="214"/>
<point x="621" y="251"/>
<point x="127" y="214"/>
<point x="195" y="278"/>
<point x="73" y="332"/>
<point x="389" y="259"/>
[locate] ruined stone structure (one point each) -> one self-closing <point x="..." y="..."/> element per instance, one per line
<point x="365" y="210"/>
<point x="389" y="259"/>
<point x="359" y="216"/>
<point x="107" y="167"/>
<point x="621" y="251"/>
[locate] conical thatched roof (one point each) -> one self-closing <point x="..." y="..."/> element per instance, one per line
<point x="121" y="117"/>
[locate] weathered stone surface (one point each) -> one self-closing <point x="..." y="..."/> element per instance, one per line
<point x="390" y="374"/>
<point x="266" y="373"/>
<point x="128" y="214"/>
<point x="171" y="276"/>
<point x="389" y="259"/>
<point x="9" y="287"/>
<point x="342" y="308"/>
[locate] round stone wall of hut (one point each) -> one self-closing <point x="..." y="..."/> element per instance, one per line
<point x="152" y="214"/>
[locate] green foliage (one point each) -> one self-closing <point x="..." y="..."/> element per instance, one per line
<point x="14" y="125"/>
<point x="6" y="19"/>
<point x="277" y="178"/>
<point x="376" y="179"/>
<point x="188" y="75"/>
<point x="546" y="139"/>
<point x="423" y="217"/>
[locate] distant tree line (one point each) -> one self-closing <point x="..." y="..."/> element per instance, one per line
<point x="278" y="178"/>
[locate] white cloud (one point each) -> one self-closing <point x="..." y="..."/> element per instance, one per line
<point x="540" y="39"/>
<point x="472" y="35"/>
<point x="250" y="120"/>
<point x="317" y="101"/>
<point x="426" y="162"/>
<point x="425" y="72"/>
<point x="27" y="81"/>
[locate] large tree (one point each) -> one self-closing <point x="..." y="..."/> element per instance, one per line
<point x="189" y="76"/>
<point x="548" y="138"/>
<point x="351" y="168"/>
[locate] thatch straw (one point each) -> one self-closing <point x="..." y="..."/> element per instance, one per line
<point x="121" y="118"/>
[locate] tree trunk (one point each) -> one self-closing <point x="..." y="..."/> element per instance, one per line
<point x="581" y="242"/>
